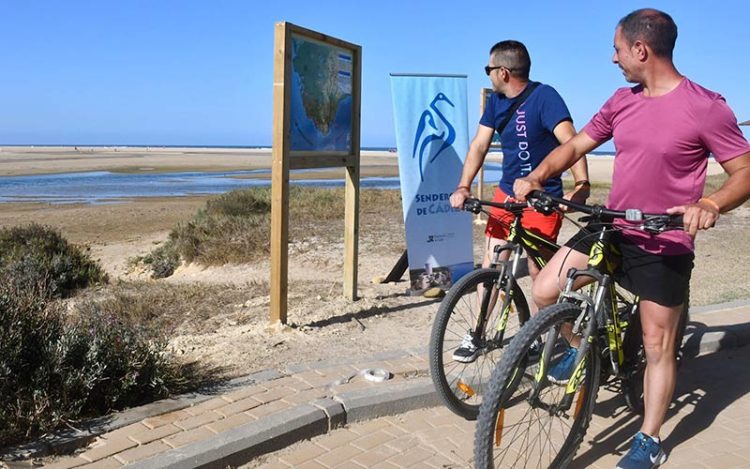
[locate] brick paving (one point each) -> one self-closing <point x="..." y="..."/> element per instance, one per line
<point x="180" y="428"/>
<point x="708" y="426"/>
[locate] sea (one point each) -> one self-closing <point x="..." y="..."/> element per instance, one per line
<point x="103" y="187"/>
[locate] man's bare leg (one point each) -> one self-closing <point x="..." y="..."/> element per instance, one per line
<point x="551" y="279"/>
<point x="489" y="251"/>
<point x="659" y="334"/>
<point x="489" y="257"/>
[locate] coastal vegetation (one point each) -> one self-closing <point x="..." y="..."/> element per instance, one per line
<point x="34" y="257"/>
<point x="61" y="362"/>
<point x="235" y="227"/>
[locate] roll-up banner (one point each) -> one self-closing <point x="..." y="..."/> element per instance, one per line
<point x="430" y="114"/>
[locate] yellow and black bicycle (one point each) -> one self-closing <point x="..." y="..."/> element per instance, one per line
<point x="530" y="419"/>
<point x="481" y="313"/>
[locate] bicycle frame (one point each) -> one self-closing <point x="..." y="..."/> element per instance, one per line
<point x="519" y="240"/>
<point x="598" y="324"/>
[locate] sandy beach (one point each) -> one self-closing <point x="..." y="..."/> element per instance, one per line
<point x="19" y="161"/>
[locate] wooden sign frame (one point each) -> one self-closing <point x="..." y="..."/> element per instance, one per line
<point x="285" y="159"/>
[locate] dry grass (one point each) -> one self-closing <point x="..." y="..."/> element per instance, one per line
<point x="186" y="308"/>
<point x="235" y="227"/>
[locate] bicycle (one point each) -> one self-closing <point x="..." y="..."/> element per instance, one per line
<point x="528" y="417"/>
<point x="463" y="316"/>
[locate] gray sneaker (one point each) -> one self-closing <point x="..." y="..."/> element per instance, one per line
<point x="467" y="352"/>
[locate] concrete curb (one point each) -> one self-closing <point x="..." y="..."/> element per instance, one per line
<point x="736" y="304"/>
<point x="366" y="404"/>
<point x="237" y="446"/>
<point x="701" y="339"/>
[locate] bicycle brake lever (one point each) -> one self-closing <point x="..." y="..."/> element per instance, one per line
<point x="542" y="205"/>
<point x="472" y="205"/>
<point x="656" y="225"/>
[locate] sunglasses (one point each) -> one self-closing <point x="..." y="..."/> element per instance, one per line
<point x="488" y="69"/>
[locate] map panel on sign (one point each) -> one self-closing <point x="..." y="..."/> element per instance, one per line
<point x="321" y="109"/>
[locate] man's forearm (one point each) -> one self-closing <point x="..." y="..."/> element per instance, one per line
<point x="580" y="170"/>
<point x="560" y="159"/>
<point x="474" y="161"/>
<point x="734" y="192"/>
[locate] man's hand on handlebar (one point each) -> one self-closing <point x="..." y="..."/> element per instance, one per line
<point x="698" y="216"/>
<point x="523" y="186"/>
<point x="579" y="194"/>
<point x="459" y="196"/>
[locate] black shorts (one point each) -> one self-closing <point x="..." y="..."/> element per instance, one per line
<point x="662" y="279"/>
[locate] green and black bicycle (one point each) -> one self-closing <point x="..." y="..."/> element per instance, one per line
<point x="526" y="419"/>
<point x="481" y="313"/>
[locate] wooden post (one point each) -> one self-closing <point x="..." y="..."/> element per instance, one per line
<point x="351" y="215"/>
<point x="280" y="180"/>
<point x="351" y="232"/>
<point x="480" y="183"/>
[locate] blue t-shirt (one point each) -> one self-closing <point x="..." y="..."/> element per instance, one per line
<point x="528" y="138"/>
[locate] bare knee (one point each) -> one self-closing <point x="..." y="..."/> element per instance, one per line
<point x="659" y="345"/>
<point x="544" y="290"/>
<point x="659" y="331"/>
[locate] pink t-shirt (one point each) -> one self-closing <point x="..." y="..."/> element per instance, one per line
<point x="662" y="146"/>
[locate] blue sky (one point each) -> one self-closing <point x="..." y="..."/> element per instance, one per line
<point x="200" y="72"/>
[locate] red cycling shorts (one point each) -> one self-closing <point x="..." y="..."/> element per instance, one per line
<point x="498" y="225"/>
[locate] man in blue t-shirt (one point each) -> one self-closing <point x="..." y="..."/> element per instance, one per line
<point x="538" y="125"/>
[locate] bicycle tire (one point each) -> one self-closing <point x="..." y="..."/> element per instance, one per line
<point x="507" y="393"/>
<point x="632" y="384"/>
<point x="461" y="385"/>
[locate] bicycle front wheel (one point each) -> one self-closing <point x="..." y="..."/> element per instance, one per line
<point x="477" y="302"/>
<point x="526" y="419"/>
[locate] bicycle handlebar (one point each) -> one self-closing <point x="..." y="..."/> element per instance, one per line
<point x="475" y="205"/>
<point x="651" y="222"/>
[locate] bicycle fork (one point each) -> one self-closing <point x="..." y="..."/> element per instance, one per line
<point x="506" y="300"/>
<point x="589" y="314"/>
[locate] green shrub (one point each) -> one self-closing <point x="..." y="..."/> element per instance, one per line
<point x="233" y="227"/>
<point x="163" y="260"/>
<point x="241" y="203"/>
<point x="236" y="227"/>
<point x="39" y="258"/>
<point x="57" y="368"/>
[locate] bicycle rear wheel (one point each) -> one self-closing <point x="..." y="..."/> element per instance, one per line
<point x="461" y="385"/>
<point x="523" y="421"/>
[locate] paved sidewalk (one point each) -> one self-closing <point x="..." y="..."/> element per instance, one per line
<point x="708" y="426"/>
<point x="278" y="408"/>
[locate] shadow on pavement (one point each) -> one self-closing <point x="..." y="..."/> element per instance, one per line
<point x="706" y="385"/>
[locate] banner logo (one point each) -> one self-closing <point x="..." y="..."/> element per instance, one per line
<point x="433" y="126"/>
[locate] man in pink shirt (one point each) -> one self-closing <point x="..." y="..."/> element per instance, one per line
<point x="664" y="130"/>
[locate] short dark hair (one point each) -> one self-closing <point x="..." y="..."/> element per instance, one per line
<point x="513" y="54"/>
<point x="654" y="27"/>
